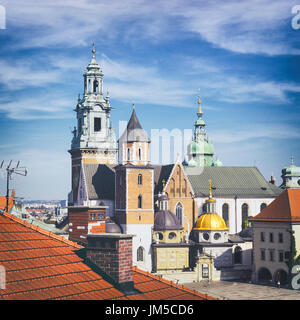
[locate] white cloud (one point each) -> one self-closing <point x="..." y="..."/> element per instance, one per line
<point x="256" y="26"/>
<point x="265" y="130"/>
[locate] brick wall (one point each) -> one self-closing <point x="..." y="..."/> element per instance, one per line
<point x="113" y="255"/>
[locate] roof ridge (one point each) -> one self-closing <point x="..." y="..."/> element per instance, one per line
<point x="41" y="230"/>
<point x="173" y="284"/>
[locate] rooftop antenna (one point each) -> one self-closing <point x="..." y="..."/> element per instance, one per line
<point x="22" y="171"/>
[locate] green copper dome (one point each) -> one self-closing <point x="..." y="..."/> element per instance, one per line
<point x="200" y="122"/>
<point x="208" y="148"/>
<point x="291" y="170"/>
<point x="196" y="147"/>
<point x="217" y="163"/>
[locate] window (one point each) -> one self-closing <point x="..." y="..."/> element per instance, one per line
<point x="262" y="254"/>
<point x="160" y="236"/>
<point x="140" y="154"/>
<point x="262" y="206"/>
<point x="225" y="213"/>
<point x="262" y="236"/>
<point x="271" y="237"/>
<point x="140" y="254"/>
<point x="280" y="256"/>
<point x="237" y="257"/>
<point x="97" y="124"/>
<point x="172" y="235"/>
<point x="280" y="237"/>
<point x="96" y="85"/>
<point x="206" y="236"/>
<point x="140" y="202"/>
<point x="205" y="270"/>
<point x="140" y="179"/>
<point x="217" y="236"/>
<point x="271" y="254"/>
<point x="178" y="212"/>
<point x="245" y="209"/>
<point x="128" y="154"/>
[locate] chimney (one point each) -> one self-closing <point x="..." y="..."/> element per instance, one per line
<point x="112" y="253"/>
<point x="272" y="180"/>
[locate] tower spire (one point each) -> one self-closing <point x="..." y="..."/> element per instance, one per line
<point x="93" y="50"/>
<point x="199" y="113"/>
<point x="292" y="160"/>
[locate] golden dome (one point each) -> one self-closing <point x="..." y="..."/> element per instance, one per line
<point x="210" y="221"/>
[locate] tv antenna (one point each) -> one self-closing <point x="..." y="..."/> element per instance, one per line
<point x="22" y="171"/>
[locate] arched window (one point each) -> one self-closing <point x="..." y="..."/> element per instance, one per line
<point x="140" y="154"/>
<point x="225" y="213"/>
<point x="178" y="210"/>
<point x="140" y="202"/>
<point x="262" y="206"/>
<point x="140" y="254"/>
<point x="128" y="154"/>
<point x="245" y="209"/>
<point x="140" y="179"/>
<point x="237" y="256"/>
<point x="96" y="85"/>
<point x="204" y="208"/>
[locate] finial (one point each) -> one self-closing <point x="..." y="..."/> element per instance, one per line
<point x="210" y="193"/>
<point x="133" y="106"/>
<point x="199" y="101"/>
<point x="78" y="96"/>
<point x="94" y="51"/>
<point x="164" y="183"/>
<point x="292" y="160"/>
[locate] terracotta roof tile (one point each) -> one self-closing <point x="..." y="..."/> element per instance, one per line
<point x="40" y="265"/>
<point x="285" y="207"/>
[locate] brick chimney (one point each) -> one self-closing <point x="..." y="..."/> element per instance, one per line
<point x="112" y="253"/>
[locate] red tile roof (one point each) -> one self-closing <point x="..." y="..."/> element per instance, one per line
<point x="41" y="265"/>
<point x="286" y="207"/>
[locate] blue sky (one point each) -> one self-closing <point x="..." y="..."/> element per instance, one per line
<point x="243" y="55"/>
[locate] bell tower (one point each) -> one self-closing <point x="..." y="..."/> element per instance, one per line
<point x="94" y="140"/>
<point x="134" y="181"/>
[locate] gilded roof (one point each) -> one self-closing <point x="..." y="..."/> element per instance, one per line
<point x="210" y="221"/>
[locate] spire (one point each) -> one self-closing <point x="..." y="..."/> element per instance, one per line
<point x="210" y="193"/>
<point x="292" y="160"/>
<point x="93" y="64"/>
<point x="199" y="113"/>
<point x="94" y="50"/>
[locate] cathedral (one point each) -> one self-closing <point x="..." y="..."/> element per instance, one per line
<point x="187" y="218"/>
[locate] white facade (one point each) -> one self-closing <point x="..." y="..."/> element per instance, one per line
<point x="235" y="209"/>
<point x="142" y="238"/>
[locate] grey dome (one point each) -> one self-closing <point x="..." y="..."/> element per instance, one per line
<point x="112" y="227"/>
<point x="246" y="233"/>
<point x="166" y="220"/>
<point x="163" y="197"/>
